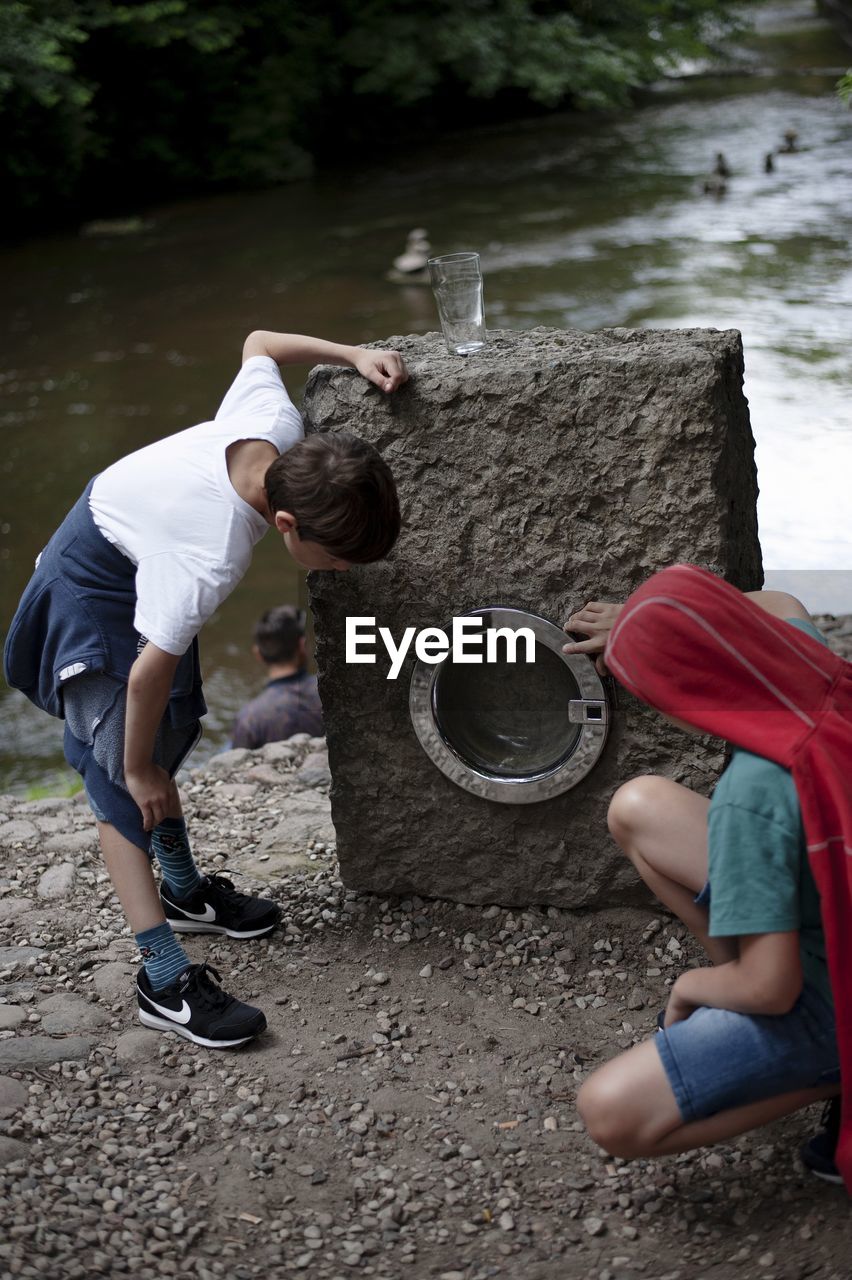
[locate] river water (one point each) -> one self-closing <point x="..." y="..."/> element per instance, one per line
<point x="113" y="341"/>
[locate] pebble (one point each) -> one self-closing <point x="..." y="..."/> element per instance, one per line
<point x="594" y="1226"/>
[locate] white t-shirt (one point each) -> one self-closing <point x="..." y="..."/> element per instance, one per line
<point x="172" y="510"/>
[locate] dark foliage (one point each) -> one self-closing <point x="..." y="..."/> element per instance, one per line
<point x="105" y="106"/>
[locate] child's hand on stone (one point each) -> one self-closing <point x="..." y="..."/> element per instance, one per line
<point x="385" y="368"/>
<point x="595" y="620"/>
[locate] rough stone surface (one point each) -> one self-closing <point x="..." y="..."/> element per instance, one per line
<point x="58" y="881"/>
<point x="11" y="908"/>
<point x="19" y="830"/>
<point x="13" y="1094"/>
<point x="16" y="957"/>
<point x="137" y="1046"/>
<point x="41" y="1051"/>
<point x="553" y="468"/>
<point x="285" y="846"/>
<point x="11" y="1016"/>
<point x="65" y="1013"/>
<point x="315" y="771"/>
<point x="71" y="841"/>
<point x="278" y="752"/>
<point x="114" y="980"/>
<point x="227" y="759"/>
<point x="12" y="1149"/>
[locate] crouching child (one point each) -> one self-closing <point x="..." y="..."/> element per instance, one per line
<point x="757" y="873"/>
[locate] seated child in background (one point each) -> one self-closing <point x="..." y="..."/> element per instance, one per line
<point x="752" y="1037"/>
<point x="105" y="637"/>
<point x="289" y="702"/>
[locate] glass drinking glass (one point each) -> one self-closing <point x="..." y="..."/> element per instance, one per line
<point x="457" y="285"/>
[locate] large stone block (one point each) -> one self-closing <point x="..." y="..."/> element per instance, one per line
<point x="552" y="468"/>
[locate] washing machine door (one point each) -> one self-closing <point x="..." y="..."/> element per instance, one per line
<point x="515" y="732"/>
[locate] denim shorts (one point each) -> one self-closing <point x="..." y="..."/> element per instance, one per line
<point x="717" y="1059"/>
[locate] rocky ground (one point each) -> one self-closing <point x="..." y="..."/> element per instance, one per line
<point x="410" y="1111"/>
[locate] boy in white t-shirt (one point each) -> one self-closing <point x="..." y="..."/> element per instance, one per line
<point x="106" y="632"/>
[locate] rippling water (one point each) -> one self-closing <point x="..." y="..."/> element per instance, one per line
<point x="111" y="342"/>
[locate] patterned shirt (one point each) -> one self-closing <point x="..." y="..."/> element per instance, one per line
<point x="286" y="706"/>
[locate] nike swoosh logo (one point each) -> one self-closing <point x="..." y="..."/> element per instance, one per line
<point x="208" y="915"/>
<point x="183" y="1014"/>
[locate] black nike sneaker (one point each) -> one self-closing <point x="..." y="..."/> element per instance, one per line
<point x="818" y="1153"/>
<point x="196" y="1008"/>
<point x="217" y="907"/>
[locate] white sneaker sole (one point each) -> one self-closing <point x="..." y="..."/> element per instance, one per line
<point x="164" y="1024"/>
<point x="198" y="926"/>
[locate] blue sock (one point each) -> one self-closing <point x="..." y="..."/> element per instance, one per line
<point x="170" y="845"/>
<point x="163" y="956"/>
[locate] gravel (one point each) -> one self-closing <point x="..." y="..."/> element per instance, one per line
<point x="410" y="1111"/>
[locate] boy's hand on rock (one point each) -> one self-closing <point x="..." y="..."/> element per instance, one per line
<point x="595" y="620"/>
<point x="385" y="368"/>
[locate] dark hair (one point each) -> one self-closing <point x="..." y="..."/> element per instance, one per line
<point x="340" y="492"/>
<point x="278" y="632"/>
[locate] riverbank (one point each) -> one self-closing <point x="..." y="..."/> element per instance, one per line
<point x="410" y="1110"/>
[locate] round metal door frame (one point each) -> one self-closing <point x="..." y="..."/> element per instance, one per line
<point x="523" y="789"/>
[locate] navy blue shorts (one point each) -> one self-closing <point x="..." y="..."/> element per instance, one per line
<point x="95" y="707"/>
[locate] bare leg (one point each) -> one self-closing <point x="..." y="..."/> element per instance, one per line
<point x="662" y="827"/>
<point x="131" y="874"/>
<point x="630" y="1110"/>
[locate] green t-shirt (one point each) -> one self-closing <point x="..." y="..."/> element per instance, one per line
<point x="760" y="878"/>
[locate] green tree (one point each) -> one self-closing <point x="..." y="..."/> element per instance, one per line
<point x="589" y="54"/>
<point x="105" y="105"/>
